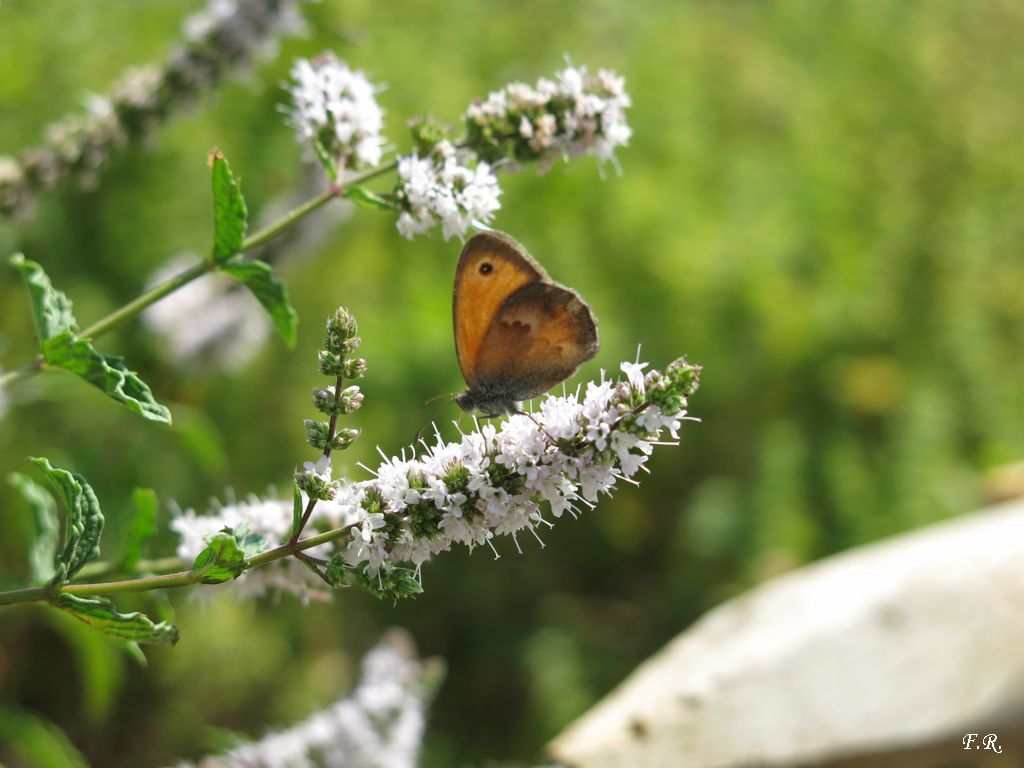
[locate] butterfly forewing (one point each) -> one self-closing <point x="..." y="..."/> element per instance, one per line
<point x="491" y="268"/>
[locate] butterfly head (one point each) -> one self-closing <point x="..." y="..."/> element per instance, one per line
<point x="486" y="402"/>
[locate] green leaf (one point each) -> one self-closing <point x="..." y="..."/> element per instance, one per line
<point x="229" y="212"/>
<point x="327" y="160"/>
<point x="51" y="308"/>
<point x="142" y="526"/>
<point x="85" y="520"/>
<point x="100" y="613"/>
<point x="364" y="198"/>
<point x="107" y="373"/>
<point x="259" y="278"/>
<point x="296" y="511"/>
<point x="226" y="553"/>
<point x="46" y="523"/>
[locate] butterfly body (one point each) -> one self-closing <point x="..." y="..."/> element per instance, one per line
<point x="517" y="332"/>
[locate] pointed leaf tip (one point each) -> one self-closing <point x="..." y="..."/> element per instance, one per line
<point x="230" y="215"/>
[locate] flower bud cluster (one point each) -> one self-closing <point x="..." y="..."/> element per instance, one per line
<point x="574" y="114"/>
<point x="328" y="400"/>
<point x="318" y="435"/>
<point x="340" y="341"/>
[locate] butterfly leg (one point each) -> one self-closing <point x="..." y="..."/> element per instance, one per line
<point x="551" y="440"/>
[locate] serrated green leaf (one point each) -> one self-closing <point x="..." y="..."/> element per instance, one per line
<point x="100" y="613"/>
<point x="51" y="308"/>
<point x="107" y="373"/>
<point x="46" y="525"/>
<point x="230" y="215"/>
<point x="85" y="520"/>
<point x="226" y="553"/>
<point x="258" y="277"/>
<point x="364" y="198"/>
<point x="142" y="526"/>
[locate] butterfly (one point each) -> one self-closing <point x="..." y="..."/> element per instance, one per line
<point x="517" y="332"/>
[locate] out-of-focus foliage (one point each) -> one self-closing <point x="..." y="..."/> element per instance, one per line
<point x="821" y="204"/>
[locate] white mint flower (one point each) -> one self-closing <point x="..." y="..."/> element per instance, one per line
<point x="495" y="481"/>
<point x="320" y="469"/>
<point x="574" y="114"/>
<point x="336" y="107"/>
<point x="449" y="187"/>
<point x="211" y="321"/>
<point x="380" y="725"/>
<point x="491" y="482"/>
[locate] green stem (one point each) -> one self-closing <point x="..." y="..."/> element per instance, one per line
<point x="130" y="310"/>
<point x="24" y="372"/>
<point x="167" y="580"/>
<point x="163" y="581"/>
<point x="102" y="568"/>
<point x="288" y="220"/>
<point x="336" y="190"/>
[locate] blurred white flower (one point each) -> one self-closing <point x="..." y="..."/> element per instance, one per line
<point x="272" y="519"/>
<point x="573" y="114"/>
<point x="337" y="107"/>
<point x="380" y="725"/>
<point x="210" y="320"/>
<point x="245" y="28"/>
<point x="224" y="36"/>
<point x="449" y="187"/>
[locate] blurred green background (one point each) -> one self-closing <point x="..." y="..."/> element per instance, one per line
<point x="821" y="204"/>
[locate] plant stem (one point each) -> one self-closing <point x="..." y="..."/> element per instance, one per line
<point x="24" y="372"/>
<point x="271" y="231"/>
<point x="102" y="568"/>
<point x="311" y="504"/>
<point x="164" y="581"/>
<point x="128" y="311"/>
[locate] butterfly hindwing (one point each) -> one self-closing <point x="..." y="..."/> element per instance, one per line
<point x="537" y="338"/>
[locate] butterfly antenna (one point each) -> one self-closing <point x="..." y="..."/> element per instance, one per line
<point x="423" y="426"/>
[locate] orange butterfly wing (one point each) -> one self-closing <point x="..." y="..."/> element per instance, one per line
<point x="538" y="338"/>
<point x="491" y="268"/>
